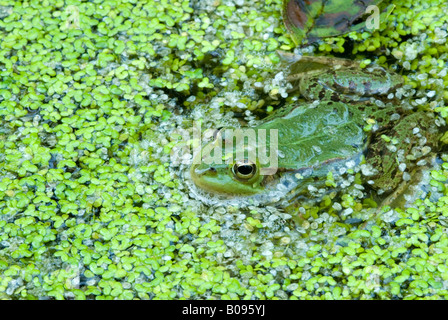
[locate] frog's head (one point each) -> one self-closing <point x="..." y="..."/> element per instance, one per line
<point x="234" y="169"/>
<point x="240" y="178"/>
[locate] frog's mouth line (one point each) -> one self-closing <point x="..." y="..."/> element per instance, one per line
<point x="217" y="199"/>
<point x="195" y="175"/>
<point x="276" y="190"/>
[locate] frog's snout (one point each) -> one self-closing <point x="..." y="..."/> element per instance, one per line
<point x="200" y="172"/>
<point x="196" y="170"/>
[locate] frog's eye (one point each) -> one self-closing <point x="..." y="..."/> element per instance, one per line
<point x="244" y="169"/>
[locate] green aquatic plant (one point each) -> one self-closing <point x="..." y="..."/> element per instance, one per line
<point x="91" y="207"/>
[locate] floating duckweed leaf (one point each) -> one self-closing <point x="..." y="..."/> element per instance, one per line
<point x="314" y="19"/>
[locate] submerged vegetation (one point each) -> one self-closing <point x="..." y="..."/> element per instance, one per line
<point x="91" y="206"/>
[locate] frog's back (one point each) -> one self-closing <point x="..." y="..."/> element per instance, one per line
<point x="310" y="135"/>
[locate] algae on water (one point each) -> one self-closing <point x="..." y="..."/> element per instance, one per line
<point x="91" y="206"/>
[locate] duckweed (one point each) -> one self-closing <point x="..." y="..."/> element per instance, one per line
<point x="91" y="207"/>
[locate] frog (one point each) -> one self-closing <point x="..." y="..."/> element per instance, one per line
<point x="345" y="114"/>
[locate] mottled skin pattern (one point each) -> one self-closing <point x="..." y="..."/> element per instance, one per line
<point x="318" y="135"/>
<point x="314" y="19"/>
<point x="385" y="161"/>
<point x="327" y="78"/>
